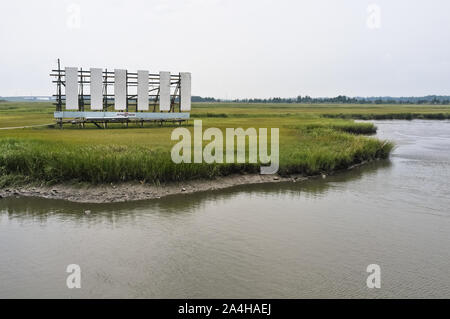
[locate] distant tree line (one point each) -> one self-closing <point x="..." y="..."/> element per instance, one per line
<point x="204" y="99"/>
<point x="341" y="99"/>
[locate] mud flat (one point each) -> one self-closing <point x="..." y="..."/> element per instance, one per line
<point x="114" y="193"/>
<point x="123" y="192"/>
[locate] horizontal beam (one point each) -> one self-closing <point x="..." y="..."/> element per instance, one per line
<point x="123" y="115"/>
<point x="110" y="73"/>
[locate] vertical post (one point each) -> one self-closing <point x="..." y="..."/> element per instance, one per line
<point x="81" y="95"/>
<point x="59" y="95"/>
<point x="58" y="90"/>
<point x="126" y="89"/>
<point x="126" y="93"/>
<point x="156" y="101"/>
<point x="105" y="102"/>
<point x="179" y="93"/>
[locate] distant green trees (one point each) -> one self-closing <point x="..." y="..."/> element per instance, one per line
<point x="340" y="99"/>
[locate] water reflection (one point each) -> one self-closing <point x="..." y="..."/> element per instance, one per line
<point x="40" y="209"/>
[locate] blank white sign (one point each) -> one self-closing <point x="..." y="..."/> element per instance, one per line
<point x="96" y="89"/>
<point x="120" y="90"/>
<point x="71" y="88"/>
<point x="164" y="91"/>
<point x="142" y="91"/>
<point x="185" y="101"/>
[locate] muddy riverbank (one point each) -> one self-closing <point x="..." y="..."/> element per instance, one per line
<point x="123" y="192"/>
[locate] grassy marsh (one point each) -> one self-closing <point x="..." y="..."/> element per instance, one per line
<point x="313" y="139"/>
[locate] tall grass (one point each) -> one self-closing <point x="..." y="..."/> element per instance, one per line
<point x="390" y="116"/>
<point x="314" y="151"/>
<point x="349" y="127"/>
<point x="313" y="139"/>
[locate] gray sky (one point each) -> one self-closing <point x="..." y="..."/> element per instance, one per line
<point x="235" y="49"/>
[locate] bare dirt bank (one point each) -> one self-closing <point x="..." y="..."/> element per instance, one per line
<point x="123" y="192"/>
<point x="135" y="191"/>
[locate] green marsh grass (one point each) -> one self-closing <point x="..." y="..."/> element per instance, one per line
<point x="313" y="139"/>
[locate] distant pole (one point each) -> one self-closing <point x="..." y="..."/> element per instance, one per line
<point x="58" y="89"/>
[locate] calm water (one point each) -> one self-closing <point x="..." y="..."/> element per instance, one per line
<point x="293" y="240"/>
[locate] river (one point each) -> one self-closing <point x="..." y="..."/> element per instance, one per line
<point x="288" y="240"/>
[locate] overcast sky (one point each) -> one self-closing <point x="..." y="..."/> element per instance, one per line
<point x="235" y="49"/>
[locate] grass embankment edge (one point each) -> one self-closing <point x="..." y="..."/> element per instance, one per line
<point x="317" y="149"/>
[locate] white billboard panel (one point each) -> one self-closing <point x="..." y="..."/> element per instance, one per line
<point x="120" y="90"/>
<point x="96" y="89"/>
<point x="164" y="91"/>
<point x="142" y="91"/>
<point x="185" y="101"/>
<point x="71" y="88"/>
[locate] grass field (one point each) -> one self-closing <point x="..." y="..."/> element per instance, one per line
<point x="313" y="139"/>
